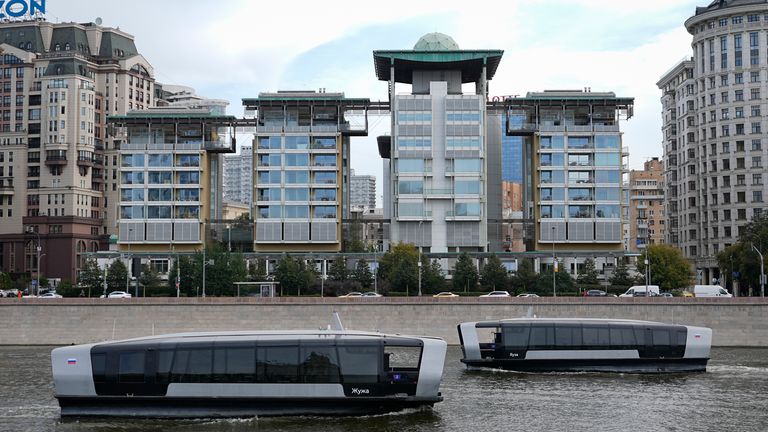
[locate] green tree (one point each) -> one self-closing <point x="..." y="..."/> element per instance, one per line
<point x="338" y="270"/>
<point x="524" y="279"/>
<point x="563" y="281"/>
<point x="363" y="274"/>
<point x="669" y="269"/>
<point x="66" y="289"/>
<point x="257" y="271"/>
<point x="589" y="273"/>
<point x="465" y="275"/>
<point x="149" y="280"/>
<point x="91" y="278"/>
<point x="5" y="281"/>
<point x="432" y="278"/>
<point x="742" y="258"/>
<point x="117" y="273"/>
<point x="295" y="276"/>
<point x="493" y="275"/>
<point x="621" y="276"/>
<point x="222" y="270"/>
<point x="190" y="274"/>
<point x="399" y="267"/>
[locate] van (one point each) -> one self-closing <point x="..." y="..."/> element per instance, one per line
<point x="639" y="291"/>
<point x="710" y="291"/>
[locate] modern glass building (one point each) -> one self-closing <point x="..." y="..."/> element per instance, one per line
<point x="301" y="169"/>
<point x="435" y="166"/>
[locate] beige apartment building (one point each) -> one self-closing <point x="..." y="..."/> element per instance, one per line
<point x="646" y="205"/>
<point x="59" y="171"/>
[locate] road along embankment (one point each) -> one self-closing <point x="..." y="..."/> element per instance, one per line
<point x="736" y="322"/>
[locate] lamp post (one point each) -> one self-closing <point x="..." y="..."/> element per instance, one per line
<point x="375" y="268"/>
<point x="762" y="270"/>
<point x="554" y="264"/>
<point x="38" y="249"/>
<point x="229" y="238"/>
<point x="128" y="267"/>
<point x="421" y="229"/>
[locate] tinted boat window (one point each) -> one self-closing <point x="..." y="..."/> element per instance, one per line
<point x="278" y="364"/>
<point x="319" y="364"/>
<point x="98" y="365"/>
<point x="516" y="337"/>
<point x="661" y="337"/>
<point x="179" y="368"/>
<point x="542" y="337"/>
<point x="567" y="336"/>
<point x="199" y="366"/>
<point x="131" y="367"/>
<point x="360" y="364"/>
<point x="623" y="338"/>
<point x="400" y="357"/>
<point x="164" y="362"/>
<point x="235" y="364"/>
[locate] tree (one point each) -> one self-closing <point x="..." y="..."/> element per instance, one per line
<point x="620" y="276"/>
<point x="338" y="270"/>
<point x="524" y="279"/>
<point x="432" y="279"/>
<point x="363" y="273"/>
<point x="222" y="270"/>
<point x="589" y="273"/>
<point x="465" y="275"/>
<point x="399" y="267"/>
<point x="294" y="276"/>
<point x="149" y="279"/>
<point x="669" y="269"/>
<point x="563" y="280"/>
<point x="493" y="275"/>
<point x="740" y="261"/>
<point x="116" y="276"/>
<point x="5" y="281"/>
<point x="190" y="274"/>
<point x="257" y="271"/>
<point x="90" y="279"/>
<point x="66" y="289"/>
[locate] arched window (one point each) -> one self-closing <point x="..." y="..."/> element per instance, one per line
<point x="80" y="254"/>
<point x="66" y="46"/>
<point x="57" y="47"/>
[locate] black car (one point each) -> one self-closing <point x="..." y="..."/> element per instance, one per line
<point x="595" y="293"/>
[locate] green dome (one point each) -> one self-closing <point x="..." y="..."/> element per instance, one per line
<point x="436" y="42"/>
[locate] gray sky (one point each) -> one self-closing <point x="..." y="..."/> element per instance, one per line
<point x="232" y="49"/>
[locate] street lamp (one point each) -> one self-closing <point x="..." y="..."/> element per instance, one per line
<point x="38" y="248"/>
<point x="128" y="269"/>
<point x="554" y="264"/>
<point x="229" y="238"/>
<point x="762" y="270"/>
<point x="421" y="229"/>
<point x="375" y="268"/>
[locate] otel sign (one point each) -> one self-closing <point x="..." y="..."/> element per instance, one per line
<point x="21" y="8"/>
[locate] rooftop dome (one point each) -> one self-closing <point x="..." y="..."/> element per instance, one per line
<point x="436" y="42"/>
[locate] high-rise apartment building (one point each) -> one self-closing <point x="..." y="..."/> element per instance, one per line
<point x="435" y="162"/>
<point x="646" y="204"/>
<point x="301" y="164"/>
<point x="578" y="165"/>
<point x="362" y="192"/>
<point x="170" y="178"/>
<point x="238" y="176"/>
<point x="59" y="169"/>
<point x="714" y="131"/>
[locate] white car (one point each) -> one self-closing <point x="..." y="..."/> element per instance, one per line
<point x="528" y="295"/>
<point x="50" y="295"/>
<point x="119" y="294"/>
<point x="351" y="294"/>
<point x="497" y="294"/>
<point x="372" y="294"/>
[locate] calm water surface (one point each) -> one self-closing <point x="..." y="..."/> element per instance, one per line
<point x="731" y="396"/>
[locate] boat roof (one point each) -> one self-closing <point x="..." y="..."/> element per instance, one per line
<point x="569" y="320"/>
<point x="270" y="334"/>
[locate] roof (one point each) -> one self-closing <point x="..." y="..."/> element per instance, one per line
<point x="570" y="320"/>
<point x="558" y="97"/>
<point x="172" y="115"/>
<point x="436" y="42"/>
<point x="724" y="4"/>
<point x="469" y="62"/>
<point x="296" y="98"/>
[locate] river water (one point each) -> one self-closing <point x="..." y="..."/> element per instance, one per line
<point x="731" y="396"/>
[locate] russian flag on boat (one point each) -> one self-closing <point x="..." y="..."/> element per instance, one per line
<point x="71" y="361"/>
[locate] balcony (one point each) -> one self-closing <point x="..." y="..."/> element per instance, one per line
<point x="6" y="189"/>
<point x="84" y="161"/>
<point x="56" y="160"/>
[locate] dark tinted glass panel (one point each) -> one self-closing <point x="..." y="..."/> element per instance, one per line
<point x="682" y="337"/>
<point x="278" y="364"/>
<point x="179" y="368"/>
<point x="567" y="336"/>
<point x="661" y="337"/>
<point x="236" y="364"/>
<point x="359" y="364"/>
<point x="542" y="337"/>
<point x="199" y="366"/>
<point x="98" y="365"/>
<point x="516" y="337"/>
<point x="596" y="336"/>
<point x="320" y="364"/>
<point x="164" y="362"/>
<point x="639" y="335"/>
<point x="400" y="357"/>
<point x="623" y="338"/>
<point x="131" y="367"/>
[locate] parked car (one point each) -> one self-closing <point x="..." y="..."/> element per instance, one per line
<point x="639" y="291"/>
<point x="710" y="291"/>
<point x="445" y="294"/>
<point x="666" y="294"/>
<point x="372" y="294"/>
<point x="351" y="294"/>
<point x="687" y="294"/>
<point x="118" y="294"/>
<point x="50" y="295"/>
<point x="528" y="295"/>
<point x="595" y="293"/>
<point x="497" y="294"/>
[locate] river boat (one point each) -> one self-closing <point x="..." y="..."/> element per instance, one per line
<point x="584" y="345"/>
<point x="249" y="373"/>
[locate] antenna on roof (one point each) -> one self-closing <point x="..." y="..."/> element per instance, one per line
<point x="337" y="325"/>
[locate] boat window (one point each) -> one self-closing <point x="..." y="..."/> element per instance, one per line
<point x="235" y="364"/>
<point x="400" y="357"/>
<point x="542" y="337"/>
<point x="278" y="364"/>
<point x="359" y="364"/>
<point x="131" y="367"/>
<point x="567" y="336"/>
<point x="596" y="336"/>
<point x="682" y="337"/>
<point x="192" y="366"/>
<point x="660" y="337"/>
<point x="516" y="337"/>
<point x="319" y="364"/>
<point x="623" y="338"/>
<point x="164" y="362"/>
<point x="639" y="335"/>
<point x="98" y="366"/>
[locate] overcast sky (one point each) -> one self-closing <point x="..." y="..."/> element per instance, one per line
<point x="231" y="49"/>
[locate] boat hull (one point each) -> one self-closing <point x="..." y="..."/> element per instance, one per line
<point x="651" y="366"/>
<point x="165" y="407"/>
